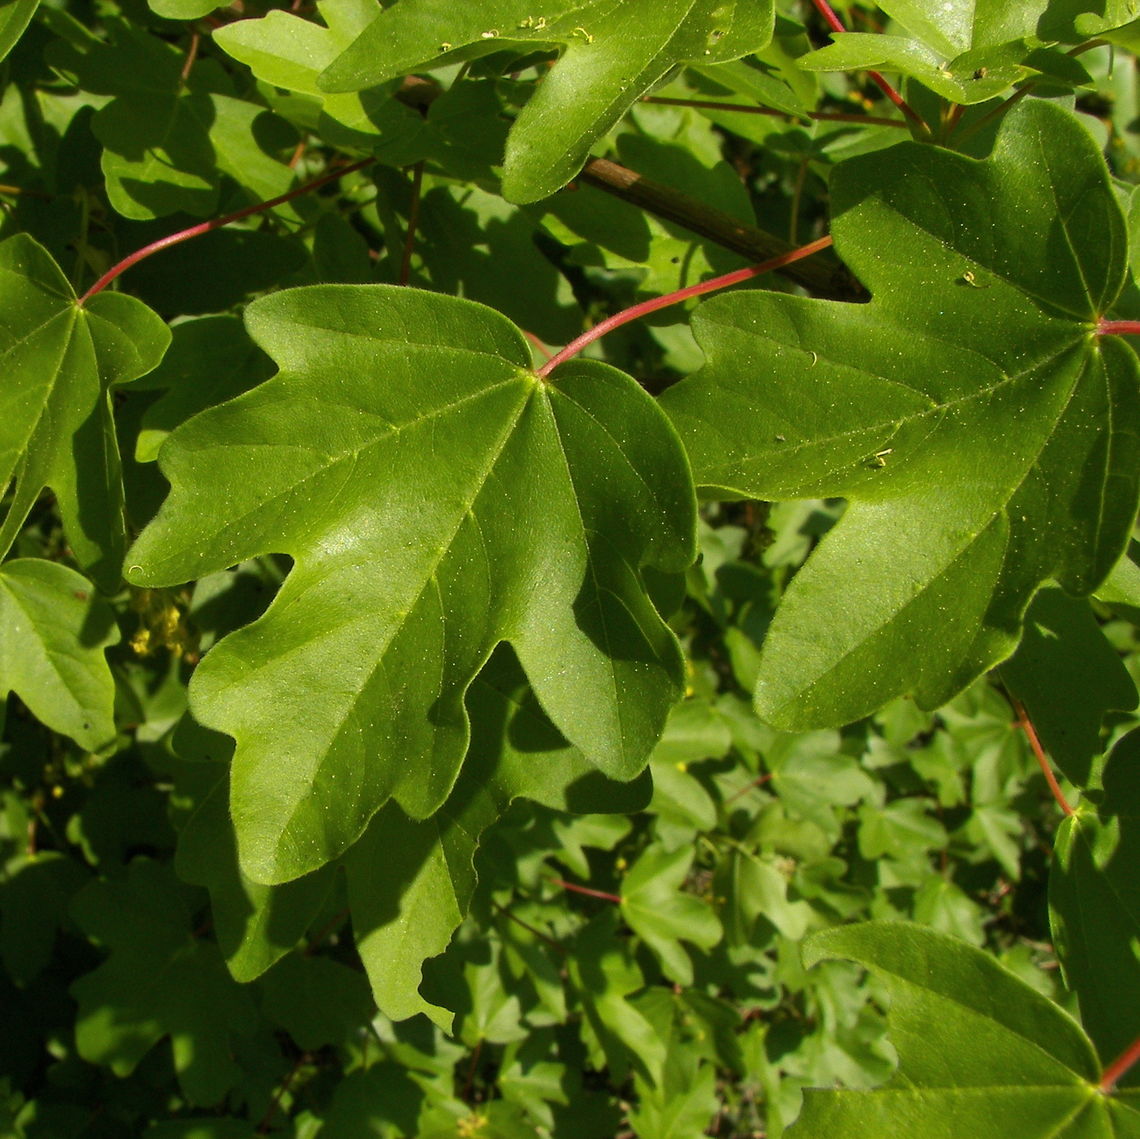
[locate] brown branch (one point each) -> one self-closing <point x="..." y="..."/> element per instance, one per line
<point x="753" y="244"/>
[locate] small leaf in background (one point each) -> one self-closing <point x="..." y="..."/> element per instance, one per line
<point x="976" y="336"/>
<point x="438" y="499"/>
<point x="290" y="52"/>
<point x="34" y="897"/>
<point x="609" y="56"/>
<point x="54" y="629"/>
<point x="168" y="137"/>
<point x="56" y="430"/>
<point x="604" y="974"/>
<point x="1094" y="903"/>
<point x="664" y="914"/>
<point x="979" y="1052"/>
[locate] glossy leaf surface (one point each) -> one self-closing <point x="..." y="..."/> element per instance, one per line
<point x="437" y="498"/>
<point x="985" y="437"/>
<point x="609" y="56"/>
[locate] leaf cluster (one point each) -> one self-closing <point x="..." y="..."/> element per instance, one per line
<point x="724" y="726"/>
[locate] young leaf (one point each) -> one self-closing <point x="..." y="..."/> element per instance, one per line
<point x="438" y="499"/>
<point x="985" y="438"/>
<point x="1094" y="903"/>
<point x="53" y="630"/>
<point x="56" y="428"/>
<point x="611" y="55"/>
<point x="980" y="1052"/>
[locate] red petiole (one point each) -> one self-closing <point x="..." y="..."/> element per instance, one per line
<point x="217" y="223"/>
<point x="711" y="286"/>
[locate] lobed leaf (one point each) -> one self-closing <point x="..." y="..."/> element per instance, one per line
<point x="437" y="499"/>
<point x="610" y="55"/>
<point x="985" y="437"/>
<point x="56" y="428"/>
<point x="410" y="882"/>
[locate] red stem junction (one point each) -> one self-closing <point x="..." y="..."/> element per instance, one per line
<point x="711" y="286"/>
<point x="216" y="223"/>
<point x="1122" y="1064"/>
<point x="1118" y="327"/>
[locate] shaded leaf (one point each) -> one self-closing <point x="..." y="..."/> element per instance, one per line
<point x="1094" y="903"/>
<point x="158" y="980"/>
<point x="1068" y="677"/>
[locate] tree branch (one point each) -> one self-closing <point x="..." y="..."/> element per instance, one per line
<point x="753" y="244"/>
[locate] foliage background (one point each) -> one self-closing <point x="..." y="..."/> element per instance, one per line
<point x="627" y="958"/>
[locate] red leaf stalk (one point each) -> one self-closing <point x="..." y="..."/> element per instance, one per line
<point x="1122" y="1064"/>
<point x="912" y="116"/>
<point x="216" y="223"/>
<point x="1026" y="726"/>
<point x="711" y="286"/>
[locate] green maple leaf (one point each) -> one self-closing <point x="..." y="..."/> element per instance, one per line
<point x="167" y="137"/>
<point x="980" y="1052"/>
<point x="290" y="52"/>
<point x="611" y="55"/>
<point x="437" y="498"/>
<point x="59" y="361"/>
<point x="985" y="436"/>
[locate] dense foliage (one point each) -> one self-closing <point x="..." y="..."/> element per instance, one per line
<point x="722" y="725"/>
